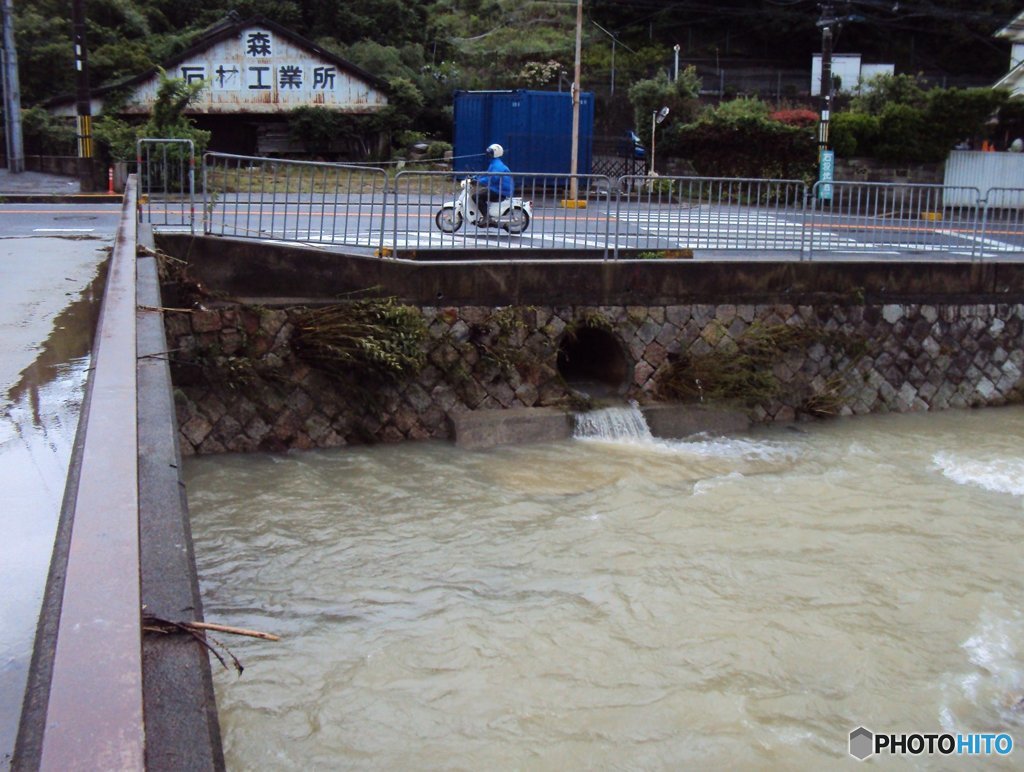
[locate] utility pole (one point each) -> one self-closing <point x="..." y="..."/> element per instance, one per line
<point x="12" y="94"/>
<point x="612" y="89"/>
<point x="615" y="41"/>
<point x="825" y="22"/>
<point x="573" y="200"/>
<point x="826" y="158"/>
<point x="82" y="99"/>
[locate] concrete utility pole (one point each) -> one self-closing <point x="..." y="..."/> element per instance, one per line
<point x="12" y="94"/>
<point x="825" y="22"/>
<point x="83" y="102"/>
<point x="574" y="163"/>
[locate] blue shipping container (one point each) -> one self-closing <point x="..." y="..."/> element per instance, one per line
<point x="534" y="127"/>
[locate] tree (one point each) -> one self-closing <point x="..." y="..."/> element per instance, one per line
<point x="899" y="121"/>
<point x="882" y="90"/>
<point x="649" y="96"/>
<point x="167" y="121"/>
<point x="739" y="139"/>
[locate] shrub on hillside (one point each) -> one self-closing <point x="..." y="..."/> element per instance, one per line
<point x="801" y="117"/>
<point x="738" y="139"/>
<point x="852" y="134"/>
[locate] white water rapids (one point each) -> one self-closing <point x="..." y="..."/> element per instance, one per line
<point x="613" y="424"/>
<point x="642" y="604"/>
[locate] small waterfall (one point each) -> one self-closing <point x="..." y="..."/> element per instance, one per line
<point x="613" y="424"/>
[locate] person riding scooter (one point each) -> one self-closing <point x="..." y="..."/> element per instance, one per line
<point x="495" y="185"/>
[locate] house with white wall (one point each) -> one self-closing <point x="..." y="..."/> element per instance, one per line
<point x="1014" y="32"/>
<point x="853" y="74"/>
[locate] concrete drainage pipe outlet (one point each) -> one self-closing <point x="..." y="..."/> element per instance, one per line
<point x="593" y="360"/>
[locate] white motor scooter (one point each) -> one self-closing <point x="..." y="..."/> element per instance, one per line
<point x="512" y="214"/>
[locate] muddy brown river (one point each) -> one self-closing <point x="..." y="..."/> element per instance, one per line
<point x="637" y="604"/>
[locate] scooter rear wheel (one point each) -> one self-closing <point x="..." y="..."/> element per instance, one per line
<point x="448" y="220"/>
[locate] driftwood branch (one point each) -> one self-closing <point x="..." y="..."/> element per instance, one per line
<point x="198" y="630"/>
<point x="141" y="249"/>
<point x="166" y="308"/>
<point x="233" y="630"/>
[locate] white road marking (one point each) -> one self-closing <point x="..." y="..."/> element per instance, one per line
<point x="1001" y="246"/>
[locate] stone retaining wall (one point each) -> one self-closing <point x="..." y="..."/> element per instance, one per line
<point x="240" y="386"/>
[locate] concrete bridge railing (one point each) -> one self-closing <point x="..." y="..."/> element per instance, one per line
<point x="102" y="694"/>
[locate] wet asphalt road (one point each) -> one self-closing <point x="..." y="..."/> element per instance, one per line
<point x="51" y="260"/>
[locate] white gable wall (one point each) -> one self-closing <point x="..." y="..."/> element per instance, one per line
<point x="261" y="72"/>
<point x="257" y="72"/>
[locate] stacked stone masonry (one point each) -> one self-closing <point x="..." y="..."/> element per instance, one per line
<point x="239" y="386"/>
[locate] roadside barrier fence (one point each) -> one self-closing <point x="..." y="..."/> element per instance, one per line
<point x="167" y="181"/>
<point x="407" y="212"/>
<point x="266" y="198"/>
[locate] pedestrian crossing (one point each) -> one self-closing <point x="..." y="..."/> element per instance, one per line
<point x="700" y="228"/>
<point x="761" y="232"/>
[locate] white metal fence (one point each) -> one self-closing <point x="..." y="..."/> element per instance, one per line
<point x="884" y="219"/>
<point x="167" y="181"/>
<point x="709" y="213"/>
<point x="403" y="213"/>
<point x="266" y="198"/>
<point x="983" y="170"/>
<point x="427" y="213"/>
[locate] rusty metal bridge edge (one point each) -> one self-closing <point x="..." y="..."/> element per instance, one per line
<point x="101" y="694"/>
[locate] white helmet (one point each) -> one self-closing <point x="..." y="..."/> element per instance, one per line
<point x="495" y="150"/>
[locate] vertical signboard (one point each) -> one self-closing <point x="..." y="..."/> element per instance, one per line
<point x="826" y="172"/>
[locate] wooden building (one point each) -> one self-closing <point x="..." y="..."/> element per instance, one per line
<point x="255" y="72"/>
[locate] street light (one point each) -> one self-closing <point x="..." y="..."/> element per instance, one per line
<point x="656" y="117"/>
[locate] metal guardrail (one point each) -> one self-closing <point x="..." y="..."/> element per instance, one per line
<point x="1002" y="219"/>
<point x="167" y="181"/>
<point x="265" y="198"/>
<point x="711" y="213"/>
<point x="360" y="206"/>
<point x="882" y="218"/>
<point x="427" y="214"/>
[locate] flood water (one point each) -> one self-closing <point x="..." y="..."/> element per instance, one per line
<point x="726" y="603"/>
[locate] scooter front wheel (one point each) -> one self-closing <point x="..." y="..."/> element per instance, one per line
<point x="448" y="219"/>
<point x="518" y="221"/>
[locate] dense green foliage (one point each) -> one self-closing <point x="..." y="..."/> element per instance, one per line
<point x="168" y="120"/>
<point x="426" y="49"/>
<point x="494" y="42"/>
<point x="741" y="139"/>
<point x="896" y="119"/>
<point x="650" y="96"/>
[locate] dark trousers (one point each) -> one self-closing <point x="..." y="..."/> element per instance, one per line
<point x="483" y="197"/>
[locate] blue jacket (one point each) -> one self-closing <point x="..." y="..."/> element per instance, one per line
<point x="497" y="181"/>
